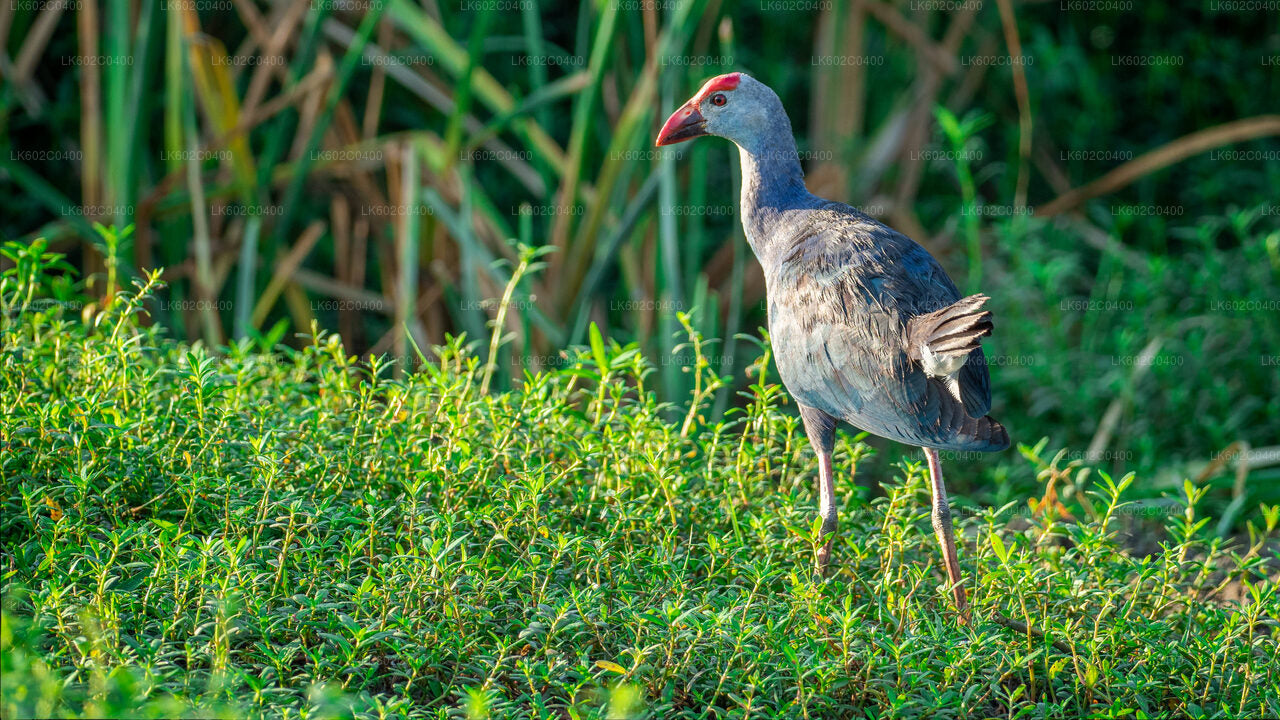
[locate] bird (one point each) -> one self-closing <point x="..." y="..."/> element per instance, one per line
<point x="867" y="328"/>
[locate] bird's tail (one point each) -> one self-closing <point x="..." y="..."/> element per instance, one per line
<point x="987" y="435"/>
<point x="983" y="434"/>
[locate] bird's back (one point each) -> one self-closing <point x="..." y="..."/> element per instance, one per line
<point x="842" y="289"/>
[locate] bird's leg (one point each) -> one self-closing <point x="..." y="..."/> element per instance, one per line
<point x="945" y="533"/>
<point x="826" y="508"/>
<point x="821" y="430"/>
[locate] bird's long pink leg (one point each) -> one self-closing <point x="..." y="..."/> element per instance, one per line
<point x="826" y="507"/>
<point x="821" y="430"/>
<point x="945" y="533"/>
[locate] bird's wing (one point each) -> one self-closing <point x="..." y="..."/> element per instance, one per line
<point x="948" y="342"/>
<point x="842" y="288"/>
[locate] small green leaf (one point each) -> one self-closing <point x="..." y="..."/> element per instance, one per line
<point x="597" y="348"/>
<point x="998" y="546"/>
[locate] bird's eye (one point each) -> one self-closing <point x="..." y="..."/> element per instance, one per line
<point x="719" y="100"/>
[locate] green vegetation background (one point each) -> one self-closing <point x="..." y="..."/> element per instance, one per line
<point x="367" y="167"/>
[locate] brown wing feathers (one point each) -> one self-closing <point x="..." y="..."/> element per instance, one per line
<point x="953" y="331"/>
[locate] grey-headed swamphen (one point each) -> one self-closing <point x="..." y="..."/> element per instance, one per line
<point x="866" y="326"/>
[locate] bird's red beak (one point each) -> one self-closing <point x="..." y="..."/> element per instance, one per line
<point x="684" y="124"/>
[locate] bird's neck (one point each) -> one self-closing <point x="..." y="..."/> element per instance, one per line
<point x="772" y="183"/>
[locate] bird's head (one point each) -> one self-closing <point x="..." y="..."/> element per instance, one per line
<point x="735" y="106"/>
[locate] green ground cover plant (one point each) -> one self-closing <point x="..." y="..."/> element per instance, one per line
<point x="268" y="531"/>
